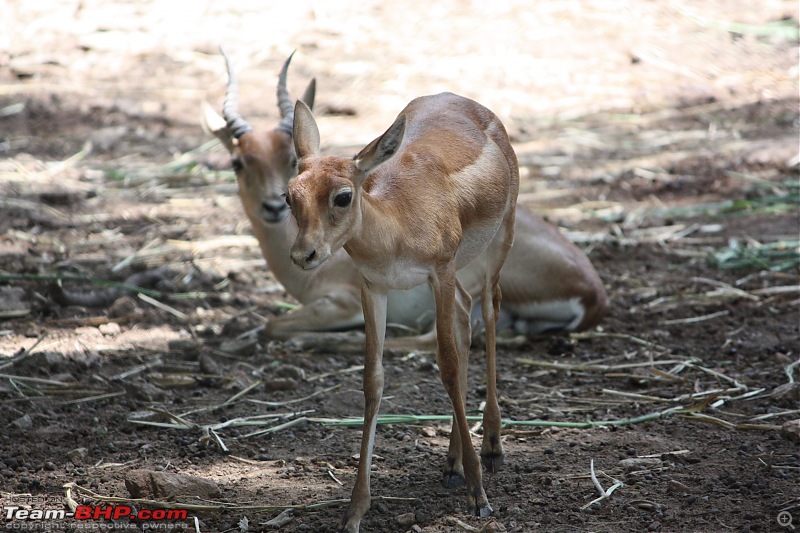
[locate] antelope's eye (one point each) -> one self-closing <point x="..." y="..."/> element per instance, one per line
<point x="288" y="201"/>
<point x="343" y="199"/>
<point x="237" y="164"/>
<point x="293" y="162"/>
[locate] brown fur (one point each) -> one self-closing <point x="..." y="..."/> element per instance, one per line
<point x="437" y="190"/>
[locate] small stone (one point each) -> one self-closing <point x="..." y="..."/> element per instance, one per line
<point x="405" y="520"/>
<point x="164" y="485"/>
<point x="493" y="527"/>
<point x="791" y="430"/>
<point x="78" y="455"/>
<point x="110" y="329"/>
<point x="640" y="463"/>
<point x="787" y="391"/>
<point x="280" y="384"/>
<point x="24" y="422"/>
<point x="281" y="520"/>
<point x="291" y="372"/>
<point x="677" y="487"/>
<point x="13" y="303"/>
<point x="240" y="346"/>
<point x="208" y="365"/>
<point x="123" y="306"/>
<point x="144" y="391"/>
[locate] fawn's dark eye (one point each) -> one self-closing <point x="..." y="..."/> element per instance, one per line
<point x="237" y="164"/>
<point x="288" y="201"/>
<point x="343" y="199"/>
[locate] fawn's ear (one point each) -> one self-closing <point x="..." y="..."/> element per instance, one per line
<point x="382" y="148"/>
<point x="305" y="131"/>
<point x="215" y="124"/>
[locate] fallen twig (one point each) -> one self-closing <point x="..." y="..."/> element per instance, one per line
<point x="603" y="492"/>
<point x="216" y="506"/>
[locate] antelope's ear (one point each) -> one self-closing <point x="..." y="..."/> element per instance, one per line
<point x="305" y="131"/>
<point x="382" y="148"/>
<point x="310" y="93"/>
<point x="215" y="124"/>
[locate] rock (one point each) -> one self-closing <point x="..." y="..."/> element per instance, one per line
<point x="13" y="303"/>
<point x="110" y="329"/>
<point x="122" y="307"/>
<point x="239" y="346"/>
<point x="167" y="485"/>
<point x="791" y="430"/>
<point x="493" y="527"/>
<point x="290" y="371"/>
<point x="281" y="520"/>
<point x="405" y="520"/>
<point x="639" y="463"/>
<point x="208" y="365"/>
<point x="280" y="384"/>
<point x="24" y="422"/>
<point x="787" y="391"/>
<point x="78" y="455"/>
<point x="677" y="487"/>
<point x="144" y="391"/>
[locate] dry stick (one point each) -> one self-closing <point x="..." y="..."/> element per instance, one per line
<point x="35" y="380"/>
<point x="595" y="367"/>
<point x="219" y="506"/>
<point x="412" y="419"/>
<point x="790" y="370"/>
<point x="219" y="440"/>
<point x="137" y="369"/>
<point x="96" y="397"/>
<point x="350" y="370"/>
<point x="695" y="319"/>
<point x="730" y="425"/>
<point x="280" y="427"/>
<point x="602" y="334"/>
<point x="163" y="306"/>
<point x="242" y="392"/>
<point x="296" y="400"/>
<point x="773" y="415"/>
<point x="603" y="492"/>
<point x="736" y="383"/>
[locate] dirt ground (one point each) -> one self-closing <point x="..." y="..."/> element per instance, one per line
<point x="661" y="136"/>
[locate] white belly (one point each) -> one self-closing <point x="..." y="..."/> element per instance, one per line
<point x="396" y="276"/>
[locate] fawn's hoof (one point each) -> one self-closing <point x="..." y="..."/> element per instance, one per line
<point x="484" y="511"/>
<point x="492" y="462"/>
<point x="451" y="480"/>
<point x="452" y="474"/>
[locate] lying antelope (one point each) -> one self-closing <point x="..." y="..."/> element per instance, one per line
<point x="435" y="192"/>
<point x="548" y="283"/>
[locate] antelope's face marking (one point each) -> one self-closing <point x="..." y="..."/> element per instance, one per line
<point x="264" y="165"/>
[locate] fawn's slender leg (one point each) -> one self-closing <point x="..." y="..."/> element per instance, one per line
<point x="491" y="447"/>
<point x="444" y="284"/>
<point x="453" y="474"/>
<point x="374" y="304"/>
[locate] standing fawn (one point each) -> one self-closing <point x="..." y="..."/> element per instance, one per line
<point x="435" y="192"/>
<point x="548" y="283"/>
